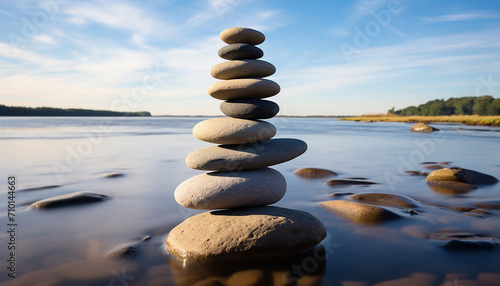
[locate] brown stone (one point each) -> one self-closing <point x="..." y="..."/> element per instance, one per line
<point x="358" y="212"/>
<point x="246" y="232"/>
<point x="242" y="35"/>
<point x="314" y="173"/>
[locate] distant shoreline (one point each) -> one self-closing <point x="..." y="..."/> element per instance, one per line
<point x="474" y="120"/>
<point x="71" y="112"/>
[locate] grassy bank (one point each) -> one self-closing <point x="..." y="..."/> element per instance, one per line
<point x="464" y="119"/>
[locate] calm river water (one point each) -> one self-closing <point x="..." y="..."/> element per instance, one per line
<point x="65" y="246"/>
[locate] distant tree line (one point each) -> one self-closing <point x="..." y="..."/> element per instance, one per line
<point x="48" y="111"/>
<point x="481" y="105"/>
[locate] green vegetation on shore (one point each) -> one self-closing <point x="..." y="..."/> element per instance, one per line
<point x="48" y="111"/>
<point x="481" y="105"/>
<point x="463" y="119"/>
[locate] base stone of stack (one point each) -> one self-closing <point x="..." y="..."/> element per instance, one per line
<point x="224" y="190"/>
<point x="247" y="156"/>
<point x="243" y="88"/>
<point x="241" y="233"/>
<point x="226" y="130"/>
<point x="240" y="52"/>
<point x="250" y="108"/>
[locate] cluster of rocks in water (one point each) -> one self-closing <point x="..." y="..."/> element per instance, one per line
<point x="241" y="183"/>
<point x="376" y="208"/>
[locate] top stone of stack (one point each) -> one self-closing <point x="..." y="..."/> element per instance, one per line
<point x="242" y="35"/>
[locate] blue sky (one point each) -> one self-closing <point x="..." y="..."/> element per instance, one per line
<point x="332" y="58"/>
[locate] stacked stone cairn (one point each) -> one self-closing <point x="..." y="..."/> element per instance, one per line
<point x="241" y="184"/>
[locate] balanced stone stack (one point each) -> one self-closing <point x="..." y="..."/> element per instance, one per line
<point x="241" y="184"/>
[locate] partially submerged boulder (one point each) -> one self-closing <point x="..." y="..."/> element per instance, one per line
<point x="422" y="127"/>
<point x="358" y="212"/>
<point x="76" y="198"/>
<point x="461" y="175"/>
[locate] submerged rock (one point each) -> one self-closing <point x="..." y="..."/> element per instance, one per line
<point x="346" y="183"/>
<point x="76" y="198"/>
<point x="422" y="127"/>
<point x="489" y="204"/>
<point x="416" y="279"/>
<point x="248" y="278"/>
<point x="385" y="200"/>
<point x="450" y="188"/>
<point x="487" y="277"/>
<point x="416" y="173"/>
<point x="461" y="175"/>
<point x="338" y="194"/>
<point x="314" y="173"/>
<point x="243" y="233"/>
<point x="466" y="241"/>
<point x="124" y="250"/>
<point x="113" y="175"/>
<point x="358" y="212"/>
<point x="433" y="167"/>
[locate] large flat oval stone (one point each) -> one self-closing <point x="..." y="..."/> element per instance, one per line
<point x="227" y="130"/>
<point x="247" y="156"/>
<point x="358" y="212"/>
<point x="242" y="69"/>
<point x="224" y="190"/>
<point x="240" y="52"/>
<point x="242" y="35"/>
<point x="243" y="233"/>
<point x="250" y="108"/>
<point x="243" y="88"/>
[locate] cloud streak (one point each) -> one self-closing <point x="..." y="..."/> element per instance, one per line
<point x="470" y="16"/>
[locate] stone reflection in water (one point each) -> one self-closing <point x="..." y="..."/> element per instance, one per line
<point x="304" y="268"/>
<point x="450" y="188"/>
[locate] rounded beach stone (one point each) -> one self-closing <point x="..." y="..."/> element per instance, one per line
<point x="422" y="127"/>
<point x="385" y="199"/>
<point x="461" y="175"/>
<point x="242" y="69"/>
<point x="244" y="88"/>
<point x="226" y="130"/>
<point x="224" y="190"/>
<point x="242" y="35"/>
<point x="240" y="51"/>
<point x="249" y="108"/>
<point x="75" y="198"/>
<point x="244" y="233"/>
<point x="314" y="173"/>
<point x="247" y="156"/>
<point x="358" y="212"/>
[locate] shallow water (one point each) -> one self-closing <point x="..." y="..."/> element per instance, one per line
<point x="65" y="246"/>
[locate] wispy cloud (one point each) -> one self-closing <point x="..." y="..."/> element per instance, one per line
<point x="7" y="13"/>
<point x="470" y="16"/>
<point x="46" y="39"/>
<point x="453" y="54"/>
<point x="118" y="15"/>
